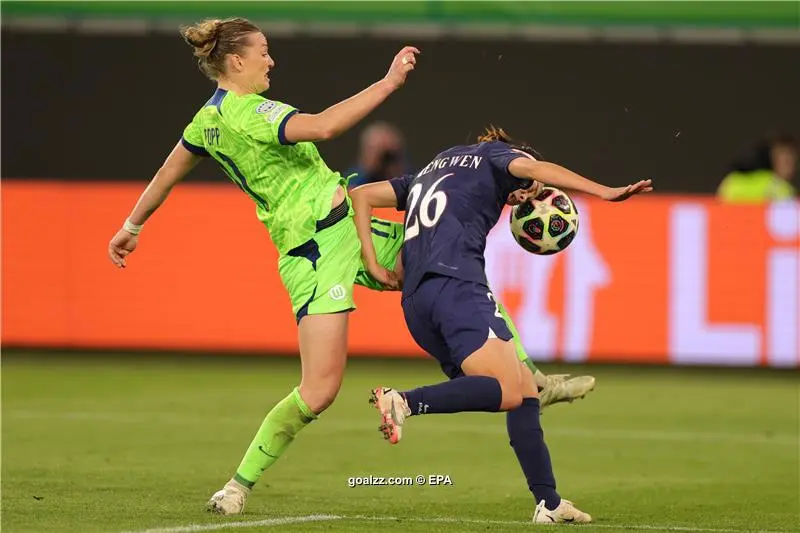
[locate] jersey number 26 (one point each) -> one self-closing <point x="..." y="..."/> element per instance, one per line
<point x="439" y="200"/>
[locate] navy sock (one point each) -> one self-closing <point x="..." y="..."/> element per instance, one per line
<point x="468" y="393"/>
<point x="527" y="440"/>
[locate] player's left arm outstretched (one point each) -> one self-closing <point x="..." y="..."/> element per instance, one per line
<point x="563" y="178"/>
<point x="365" y="198"/>
<point x="179" y="162"/>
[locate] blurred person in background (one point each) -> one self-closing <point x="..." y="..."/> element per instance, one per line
<point x="764" y="176"/>
<point x="381" y="155"/>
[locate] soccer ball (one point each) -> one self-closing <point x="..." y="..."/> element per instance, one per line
<point x="547" y="225"/>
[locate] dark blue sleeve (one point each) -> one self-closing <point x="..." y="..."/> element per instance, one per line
<point x="196" y="150"/>
<point x="501" y="155"/>
<point x="401" y="186"/>
<point x="282" y="129"/>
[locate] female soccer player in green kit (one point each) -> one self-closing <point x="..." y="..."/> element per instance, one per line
<point x="267" y="148"/>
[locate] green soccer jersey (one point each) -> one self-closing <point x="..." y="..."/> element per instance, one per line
<point x="290" y="183"/>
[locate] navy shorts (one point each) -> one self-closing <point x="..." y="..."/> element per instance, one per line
<point x="451" y="319"/>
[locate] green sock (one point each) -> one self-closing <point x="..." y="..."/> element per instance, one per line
<point x="523" y="356"/>
<point x="277" y="431"/>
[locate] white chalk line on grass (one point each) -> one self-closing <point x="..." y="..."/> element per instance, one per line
<point x="290" y="520"/>
<point x="268" y="522"/>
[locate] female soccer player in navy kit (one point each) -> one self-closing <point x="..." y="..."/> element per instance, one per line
<point x="451" y="205"/>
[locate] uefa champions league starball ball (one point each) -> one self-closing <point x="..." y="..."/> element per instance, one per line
<point x="547" y="225"/>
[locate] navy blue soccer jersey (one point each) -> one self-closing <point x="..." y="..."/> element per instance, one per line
<point x="451" y="205"/>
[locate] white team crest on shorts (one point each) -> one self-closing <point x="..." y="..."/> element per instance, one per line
<point x="265" y="107"/>
<point x="337" y="293"/>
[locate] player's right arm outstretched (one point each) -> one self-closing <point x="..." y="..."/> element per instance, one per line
<point x="179" y="162"/>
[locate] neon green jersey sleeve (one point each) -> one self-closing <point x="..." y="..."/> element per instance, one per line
<point x="193" y="139"/>
<point x="268" y="123"/>
<point x="290" y="183"/>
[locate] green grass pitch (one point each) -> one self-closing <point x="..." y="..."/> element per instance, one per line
<point x="139" y="442"/>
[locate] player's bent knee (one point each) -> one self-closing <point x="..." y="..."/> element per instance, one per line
<point x="497" y="359"/>
<point x="318" y="400"/>
<point x="319" y="394"/>
<point x="512" y="396"/>
<point x="320" y="385"/>
<point x="528" y="382"/>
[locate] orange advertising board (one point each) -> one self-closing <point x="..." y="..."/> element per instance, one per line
<point x="654" y="280"/>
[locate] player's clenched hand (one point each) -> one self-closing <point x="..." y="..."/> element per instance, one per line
<point x="534" y="190"/>
<point x="618" y="194"/>
<point x="385" y="277"/>
<point x="402" y="64"/>
<point x="120" y="246"/>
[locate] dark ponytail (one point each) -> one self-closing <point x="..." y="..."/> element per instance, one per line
<point x="494" y="134"/>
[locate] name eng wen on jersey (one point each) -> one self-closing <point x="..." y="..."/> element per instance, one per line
<point x="451" y="205"/>
<point x="462" y="161"/>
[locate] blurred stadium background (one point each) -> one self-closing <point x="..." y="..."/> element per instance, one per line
<point x="129" y="396"/>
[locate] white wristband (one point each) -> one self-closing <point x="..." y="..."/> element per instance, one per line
<point x="132" y="228"/>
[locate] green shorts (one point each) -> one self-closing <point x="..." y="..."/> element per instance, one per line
<point x="387" y="237"/>
<point x="319" y="274"/>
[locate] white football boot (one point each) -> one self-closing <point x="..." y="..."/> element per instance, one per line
<point x="393" y="409"/>
<point x="562" y="388"/>
<point x="565" y="513"/>
<point x="229" y="500"/>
